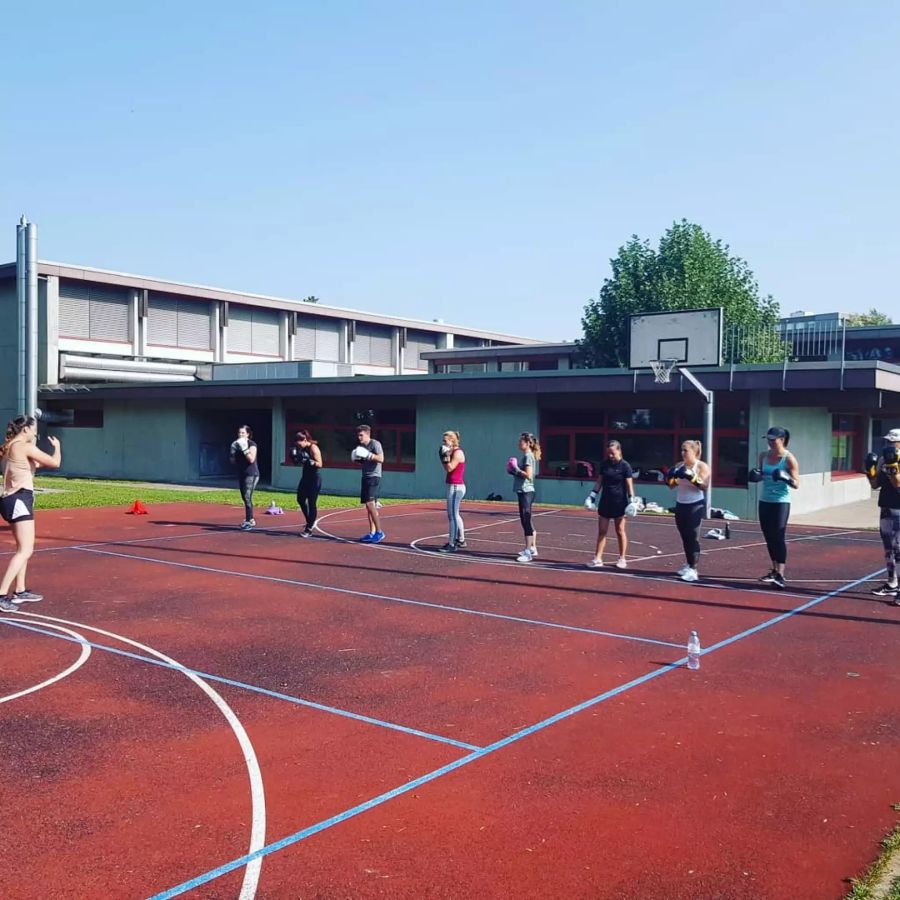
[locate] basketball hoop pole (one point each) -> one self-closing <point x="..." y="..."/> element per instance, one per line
<point x="707" y="430"/>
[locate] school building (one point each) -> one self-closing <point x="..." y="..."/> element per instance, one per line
<point x="147" y="379"/>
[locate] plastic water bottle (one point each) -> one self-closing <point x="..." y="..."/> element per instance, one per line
<point x="693" y="651"/>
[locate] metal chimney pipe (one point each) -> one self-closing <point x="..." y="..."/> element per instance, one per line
<point x="31" y="268"/>
<point x="21" y="316"/>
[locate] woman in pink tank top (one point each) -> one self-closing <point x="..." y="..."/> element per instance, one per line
<point x="19" y="457"/>
<point x="453" y="459"/>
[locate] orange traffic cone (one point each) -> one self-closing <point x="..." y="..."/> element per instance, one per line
<point x="137" y="509"/>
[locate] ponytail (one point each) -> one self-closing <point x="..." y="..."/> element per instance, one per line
<point x="534" y="445"/>
<point x="14" y="428"/>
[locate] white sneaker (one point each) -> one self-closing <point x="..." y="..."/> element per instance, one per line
<point x="595" y="564"/>
<point x="690" y="575"/>
<point x="621" y="563"/>
<point x="525" y="556"/>
<point x="533" y="552"/>
<point x="683" y="571"/>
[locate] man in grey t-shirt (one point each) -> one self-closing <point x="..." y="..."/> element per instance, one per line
<point x="370" y="455"/>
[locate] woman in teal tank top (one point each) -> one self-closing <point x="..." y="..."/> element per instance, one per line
<point x="777" y="473"/>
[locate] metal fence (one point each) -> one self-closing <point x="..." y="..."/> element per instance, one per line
<point x="788" y="342"/>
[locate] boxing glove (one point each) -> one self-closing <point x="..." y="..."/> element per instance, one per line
<point x="590" y="501"/>
<point x="674" y="474"/>
<point x="690" y="475"/>
<point x="632" y="508"/>
<point x="242" y="444"/>
<point x="235" y="448"/>
<point x="445" y="452"/>
<point x="512" y="465"/>
<point x="871" y="465"/>
<point x="359" y="454"/>
<point x="783" y="475"/>
<point x="891" y="457"/>
<point x="755" y="475"/>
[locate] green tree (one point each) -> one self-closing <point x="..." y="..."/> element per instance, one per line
<point x="311" y="299"/>
<point x="689" y="270"/>
<point x="872" y="317"/>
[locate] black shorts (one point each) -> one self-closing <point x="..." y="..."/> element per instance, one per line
<point x="612" y="508"/>
<point x="368" y="490"/>
<point x="18" y="507"/>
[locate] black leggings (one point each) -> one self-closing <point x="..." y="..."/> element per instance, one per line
<point x="308" y="497"/>
<point x="773" y="519"/>
<point x="526" y="498"/>
<point x="247" y="485"/>
<point x="688" y="518"/>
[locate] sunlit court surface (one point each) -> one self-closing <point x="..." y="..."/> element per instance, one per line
<point x="195" y="710"/>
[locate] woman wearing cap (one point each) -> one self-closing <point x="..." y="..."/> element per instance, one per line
<point x="19" y="458"/>
<point x="615" y="479"/>
<point x="883" y="471"/>
<point x="690" y="478"/>
<point x="777" y="472"/>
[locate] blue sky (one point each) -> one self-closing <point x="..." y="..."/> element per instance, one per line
<point x="478" y="163"/>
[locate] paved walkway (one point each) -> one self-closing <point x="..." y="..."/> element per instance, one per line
<point x="862" y="514"/>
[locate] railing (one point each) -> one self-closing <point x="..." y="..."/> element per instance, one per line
<point x="795" y="342"/>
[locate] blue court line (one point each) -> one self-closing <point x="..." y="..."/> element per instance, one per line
<point x="371" y="596"/>
<point x="299" y="701"/>
<point x="484" y="751"/>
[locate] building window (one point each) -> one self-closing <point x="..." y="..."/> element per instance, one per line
<point x="846" y="443"/>
<point x="574" y="441"/>
<point x="335" y="430"/>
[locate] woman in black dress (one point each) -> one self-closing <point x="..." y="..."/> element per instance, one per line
<point x="615" y="484"/>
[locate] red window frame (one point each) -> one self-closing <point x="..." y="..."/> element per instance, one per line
<point x="857" y="442"/>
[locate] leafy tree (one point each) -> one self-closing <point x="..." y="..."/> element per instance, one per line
<point x="872" y="317"/>
<point x="689" y="270"/>
<point x="311" y="299"/>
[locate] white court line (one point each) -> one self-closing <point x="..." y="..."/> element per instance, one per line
<point x="257" y="794"/>
<point x="82" y="659"/>
<point x="607" y="571"/>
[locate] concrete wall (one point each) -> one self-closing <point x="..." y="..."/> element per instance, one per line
<point x="144" y="441"/>
<point x="9" y="350"/>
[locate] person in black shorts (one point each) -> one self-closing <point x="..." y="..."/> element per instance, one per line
<point x="306" y="453"/>
<point x="883" y="471"/>
<point x="615" y="485"/>
<point x="19" y="458"/>
<point x="243" y="456"/>
<point x="370" y="455"/>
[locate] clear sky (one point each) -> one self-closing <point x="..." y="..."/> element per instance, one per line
<point x="475" y="162"/>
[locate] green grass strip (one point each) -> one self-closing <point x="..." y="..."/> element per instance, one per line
<point x="871" y="886"/>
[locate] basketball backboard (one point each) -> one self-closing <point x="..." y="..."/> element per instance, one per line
<point x="693" y="337"/>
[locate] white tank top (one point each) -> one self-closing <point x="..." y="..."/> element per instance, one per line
<point x="687" y="492"/>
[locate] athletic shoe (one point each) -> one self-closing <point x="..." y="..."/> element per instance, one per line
<point x="378" y="537"/>
<point x="447" y="548"/>
<point x="896" y="600"/>
<point x="366" y="538"/>
<point x="683" y="571"/>
<point x="307" y="532"/>
<point x="621" y="563"/>
<point x="526" y="556"/>
<point x="246" y="526"/>
<point x="7" y="605"/>
<point x="778" y="581"/>
<point x="690" y="575"/>
<point x="461" y="545"/>
<point x="27" y="597"/>
<point x="769" y="577"/>
<point x="253" y="523"/>
<point x="886" y="590"/>
<point x="534" y="552"/>
<point x="595" y="564"/>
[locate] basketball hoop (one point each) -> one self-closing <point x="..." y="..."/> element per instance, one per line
<point x="662" y="369"/>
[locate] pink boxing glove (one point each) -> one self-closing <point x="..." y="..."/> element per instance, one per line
<point x="512" y="466"/>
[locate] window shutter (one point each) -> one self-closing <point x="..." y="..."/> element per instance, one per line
<point x="240" y="329"/>
<point x="265" y="332"/>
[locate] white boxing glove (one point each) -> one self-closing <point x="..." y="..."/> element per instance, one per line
<point x="242" y="444"/>
<point x="359" y="454"/>
<point x="590" y="501"/>
<point x="235" y="449"/>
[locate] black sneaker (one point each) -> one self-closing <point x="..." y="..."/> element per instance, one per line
<point x="769" y="577"/>
<point x="7" y="605"/>
<point x="447" y="548"/>
<point x="886" y="590"/>
<point x="27" y="597"/>
<point x="461" y="545"/>
<point x="307" y="532"/>
<point x="778" y="581"/>
<point x="896" y="600"/>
